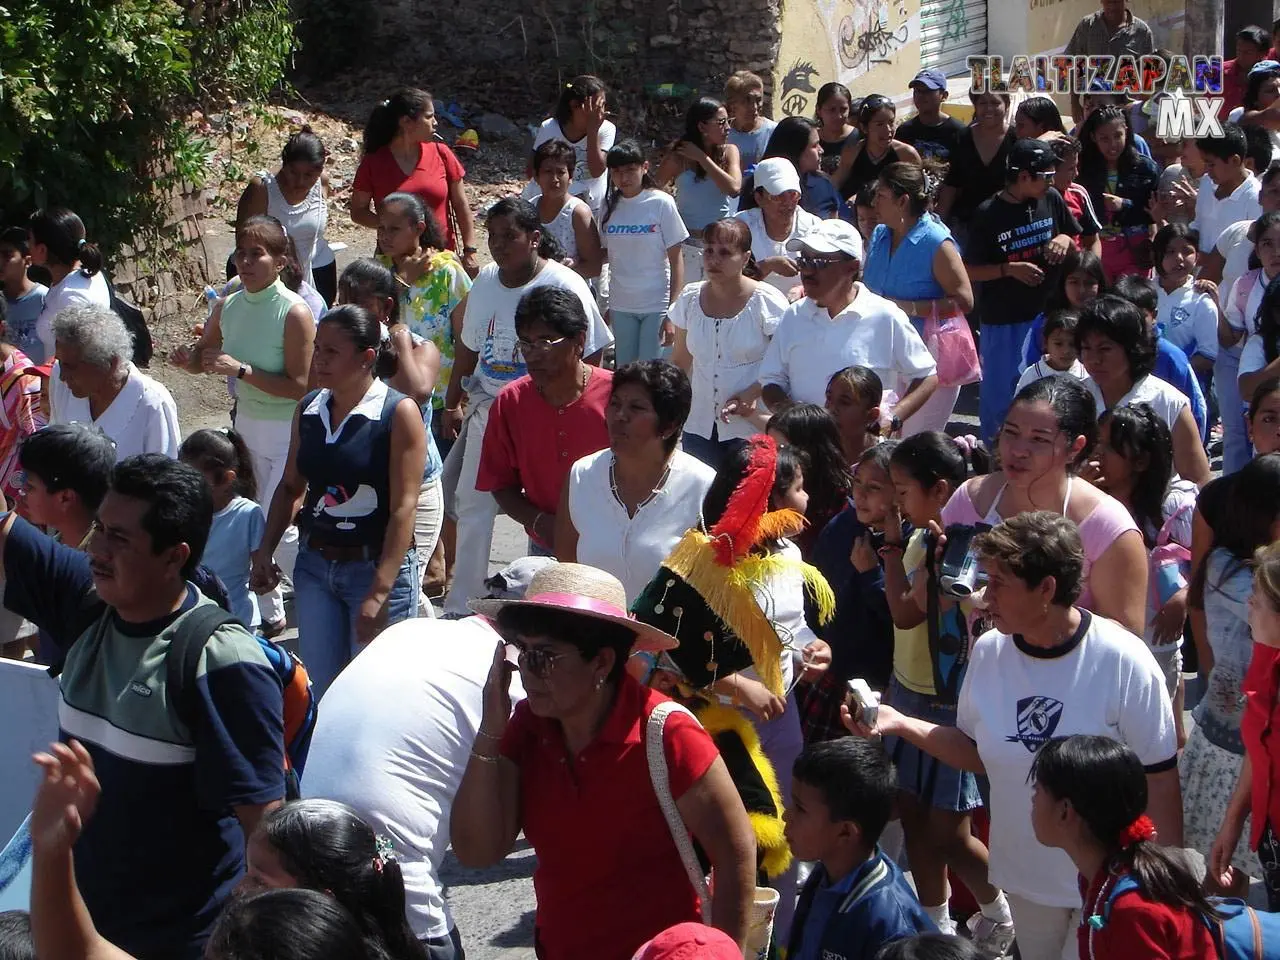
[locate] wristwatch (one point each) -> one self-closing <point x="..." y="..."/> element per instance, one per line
<point x="467" y="251"/>
<point x="894" y="425"/>
<point x="244" y="368"/>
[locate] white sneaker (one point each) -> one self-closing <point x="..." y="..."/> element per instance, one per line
<point x="993" y="940"/>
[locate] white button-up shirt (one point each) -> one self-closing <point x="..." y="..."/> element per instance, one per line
<point x="810" y="346"/>
<point x="726" y="354"/>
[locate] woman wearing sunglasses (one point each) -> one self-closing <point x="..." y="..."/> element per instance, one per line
<point x="568" y="768"/>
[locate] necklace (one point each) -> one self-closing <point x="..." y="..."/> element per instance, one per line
<point x="613" y="486"/>
<point x="533" y="272"/>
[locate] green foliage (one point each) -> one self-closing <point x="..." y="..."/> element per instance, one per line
<point x="93" y="95"/>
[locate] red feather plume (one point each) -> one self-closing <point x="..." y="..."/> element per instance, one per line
<point x="737" y="531"/>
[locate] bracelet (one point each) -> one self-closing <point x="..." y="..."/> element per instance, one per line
<point x="889" y="549"/>
<point x="488" y="736"/>
<point x="483" y="757"/>
<point x="534" y="526"/>
<point x="469" y="250"/>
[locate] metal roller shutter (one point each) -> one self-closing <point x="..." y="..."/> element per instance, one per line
<point x="950" y="32"/>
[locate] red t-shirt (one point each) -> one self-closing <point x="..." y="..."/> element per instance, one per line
<point x="1139" y="928"/>
<point x="1258" y="729"/>
<point x="531" y="444"/>
<point x="1234" y="82"/>
<point x="608" y="877"/>
<point x="380" y="174"/>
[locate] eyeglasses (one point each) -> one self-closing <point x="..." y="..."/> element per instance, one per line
<point x="817" y="263"/>
<point x="541" y="345"/>
<point x="721" y="122"/>
<point x="537" y="661"/>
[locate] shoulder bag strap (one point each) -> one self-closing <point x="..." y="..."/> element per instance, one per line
<point x="662" y="788"/>
<point x="182" y="661"/>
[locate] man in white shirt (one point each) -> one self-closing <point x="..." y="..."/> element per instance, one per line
<point x="839" y="324"/>
<point x="394" y="738"/>
<point x="1232" y="191"/>
<point x="95" y="381"/>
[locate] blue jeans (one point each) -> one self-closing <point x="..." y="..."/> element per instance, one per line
<point x="327" y="597"/>
<point x="710" y="450"/>
<point x="1001" y="351"/>
<point x="636" y="336"/>
<point x="445" y="948"/>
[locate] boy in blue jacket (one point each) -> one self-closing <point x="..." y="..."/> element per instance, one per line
<point x="856" y="900"/>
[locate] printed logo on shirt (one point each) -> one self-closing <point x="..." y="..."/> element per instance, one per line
<point x="1179" y="316"/>
<point x="1026" y="240"/>
<point x="140" y="688"/>
<point x="1038" y="718"/>
<point x="630" y="229"/>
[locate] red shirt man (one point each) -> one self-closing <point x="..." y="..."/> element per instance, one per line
<point x="1251" y="48"/>
<point x="530" y="445"/>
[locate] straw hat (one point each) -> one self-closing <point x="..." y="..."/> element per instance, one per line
<point x="577" y="588"/>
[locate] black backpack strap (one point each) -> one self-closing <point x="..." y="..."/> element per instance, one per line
<point x="183" y="659"/>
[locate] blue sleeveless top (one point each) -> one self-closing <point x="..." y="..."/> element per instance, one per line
<point x="700" y="202"/>
<point x="906" y="273"/>
<point x="347" y="469"/>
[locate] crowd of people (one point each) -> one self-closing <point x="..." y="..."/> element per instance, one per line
<point x="781" y="633"/>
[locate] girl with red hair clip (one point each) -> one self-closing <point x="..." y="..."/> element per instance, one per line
<point x="1089" y="800"/>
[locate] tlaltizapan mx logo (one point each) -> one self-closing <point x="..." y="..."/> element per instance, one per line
<point x="1191" y="86"/>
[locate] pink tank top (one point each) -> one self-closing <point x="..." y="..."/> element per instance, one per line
<point x="1098" y="531"/>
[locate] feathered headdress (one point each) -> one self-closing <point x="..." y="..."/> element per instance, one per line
<point x="705" y="592"/>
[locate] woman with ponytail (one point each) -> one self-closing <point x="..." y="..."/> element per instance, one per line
<point x="325" y="845"/>
<point x="58" y="243"/>
<point x="1089" y="800"/>
<point x="403" y="154"/>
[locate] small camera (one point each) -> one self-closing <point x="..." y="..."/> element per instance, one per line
<point x="863" y="703"/>
<point x="959" y="575"/>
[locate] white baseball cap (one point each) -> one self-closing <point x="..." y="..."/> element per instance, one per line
<point x="777" y="175"/>
<point x="830" y="236"/>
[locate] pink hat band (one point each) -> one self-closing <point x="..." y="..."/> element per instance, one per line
<point x="576" y="601"/>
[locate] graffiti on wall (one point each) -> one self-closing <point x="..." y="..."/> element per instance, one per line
<point x="845" y="40"/>
<point x="955" y="21"/>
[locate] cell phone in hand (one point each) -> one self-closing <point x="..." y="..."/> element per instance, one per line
<point x="864" y="703"/>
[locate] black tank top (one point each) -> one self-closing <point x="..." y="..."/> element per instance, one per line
<point x="865" y="170"/>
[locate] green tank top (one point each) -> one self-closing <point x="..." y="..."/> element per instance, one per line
<point x="253" y="333"/>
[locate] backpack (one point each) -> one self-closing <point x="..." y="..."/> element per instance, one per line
<point x="1239" y="932"/>
<point x="182" y="664"/>
<point x="143" y="349"/>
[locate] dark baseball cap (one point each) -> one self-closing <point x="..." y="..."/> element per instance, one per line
<point x="931" y="80"/>
<point x="1033" y="156"/>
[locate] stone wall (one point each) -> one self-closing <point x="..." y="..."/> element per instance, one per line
<point x="630" y="43"/>
<point x="160" y="279"/>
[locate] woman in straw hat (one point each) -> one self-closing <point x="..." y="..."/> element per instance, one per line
<point x="569" y="769"/>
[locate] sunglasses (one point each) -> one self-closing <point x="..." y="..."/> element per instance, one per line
<point x="817" y="263"/>
<point x="536" y="661"/>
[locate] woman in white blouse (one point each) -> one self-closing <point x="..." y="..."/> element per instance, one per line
<point x="625" y="508"/>
<point x="723" y="327"/>
<point x="777" y="218"/>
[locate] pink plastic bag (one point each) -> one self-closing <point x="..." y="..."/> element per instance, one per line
<point x="950" y="341"/>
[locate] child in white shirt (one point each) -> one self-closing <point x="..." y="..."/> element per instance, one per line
<point x="1059" y="350"/>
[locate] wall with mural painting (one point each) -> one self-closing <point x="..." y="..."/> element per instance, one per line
<point x="868" y="45"/>
<point x="877" y="46"/>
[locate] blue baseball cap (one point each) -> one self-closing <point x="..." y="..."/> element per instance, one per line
<point x="1264" y="66"/>
<point x="931" y="79"/>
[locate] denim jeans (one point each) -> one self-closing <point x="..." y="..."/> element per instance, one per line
<point x="445" y="948"/>
<point x="637" y="336"/>
<point x="328" y="594"/>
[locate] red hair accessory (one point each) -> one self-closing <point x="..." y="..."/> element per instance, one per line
<point x="738" y="529"/>
<point x="1140" y="829"/>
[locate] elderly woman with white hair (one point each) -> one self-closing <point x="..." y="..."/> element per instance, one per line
<point x="96" y="382"/>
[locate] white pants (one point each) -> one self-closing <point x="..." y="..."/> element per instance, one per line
<point x="936" y="412"/>
<point x="268" y="443"/>
<point x="1045" y="933"/>
<point x="426" y="531"/>
<point x="475" y="512"/>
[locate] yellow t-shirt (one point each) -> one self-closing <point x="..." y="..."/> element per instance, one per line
<point x="912" y="664"/>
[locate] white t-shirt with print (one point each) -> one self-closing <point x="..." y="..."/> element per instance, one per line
<point x="764" y="246"/>
<point x="1189" y="320"/>
<point x="1016" y="697"/>
<point x="584" y="185"/>
<point x="489" y="324"/>
<point x="637" y="235"/>
<point x="810" y="345"/>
